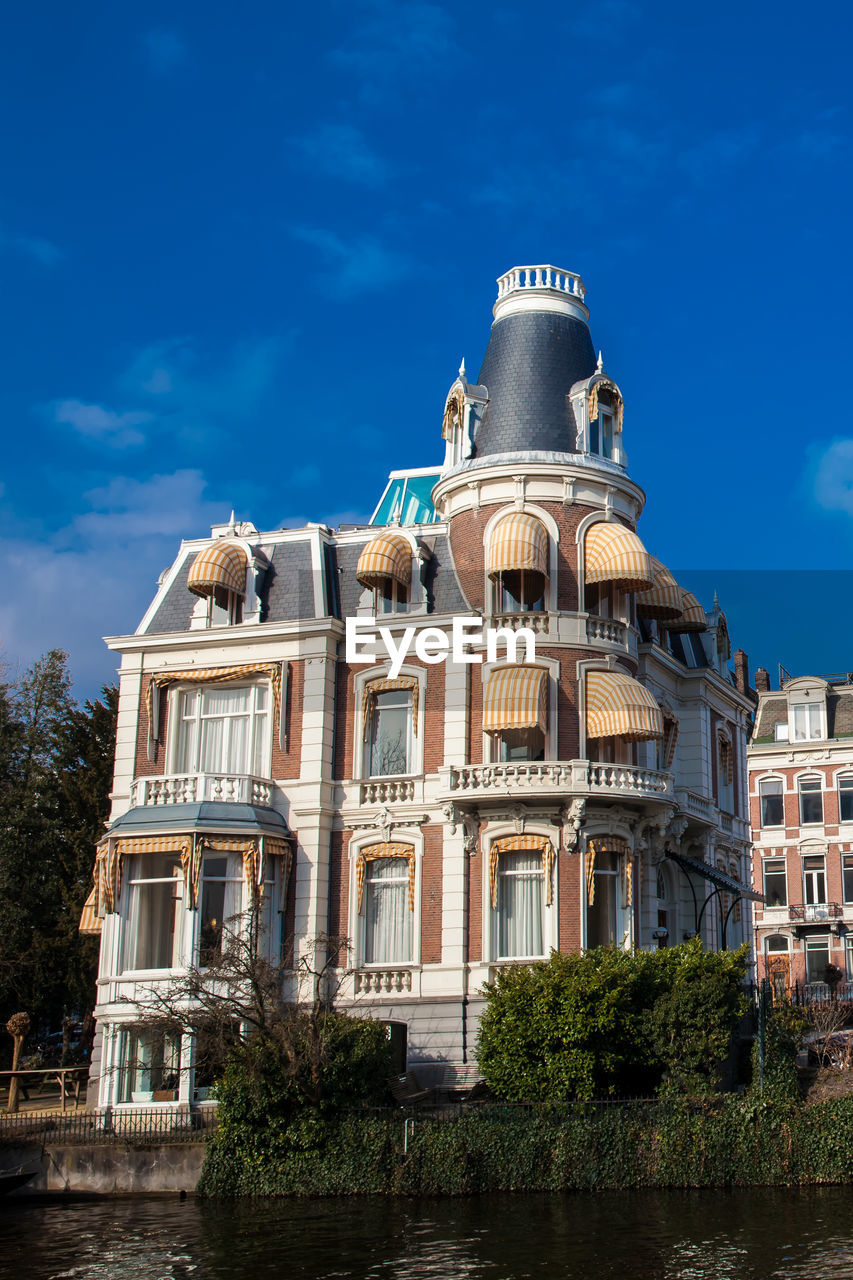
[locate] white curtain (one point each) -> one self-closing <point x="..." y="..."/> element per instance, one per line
<point x="388" y="920"/>
<point x="520" y="898"/>
<point x="152" y="933"/>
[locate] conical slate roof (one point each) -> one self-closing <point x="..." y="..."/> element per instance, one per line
<point x="533" y="359"/>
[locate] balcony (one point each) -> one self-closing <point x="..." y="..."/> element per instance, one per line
<point x="816" y="913"/>
<point x="552" y="779"/>
<point x="196" y="788"/>
<point x="387" y="790"/>
<point x="608" y="630"/>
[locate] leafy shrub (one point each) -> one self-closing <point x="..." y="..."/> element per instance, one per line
<point x="607" y="1023"/>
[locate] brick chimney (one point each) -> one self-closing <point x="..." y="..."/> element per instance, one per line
<point x="762" y="680"/>
<point x="741" y="671"/>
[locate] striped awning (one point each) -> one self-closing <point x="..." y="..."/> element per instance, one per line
<point x="387" y="556"/>
<point x="516" y="698"/>
<point x="692" y="615"/>
<point x="385" y="849"/>
<point x="613" y="553"/>
<point x="521" y="844"/>
<point x="663" y="601"/>
<point x="518" y="541"/>
<point x="221" y="566"/>
<point x="619" y="707"/>
<point x="90" y="921"/>
<point x="384" y="684"/>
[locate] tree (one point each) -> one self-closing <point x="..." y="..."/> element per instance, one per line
<point x="55" y="775"/>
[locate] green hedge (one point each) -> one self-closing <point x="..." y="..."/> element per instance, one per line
<point x="720" y="1142"/>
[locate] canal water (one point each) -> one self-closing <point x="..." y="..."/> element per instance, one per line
<point x="702" y="1235"/>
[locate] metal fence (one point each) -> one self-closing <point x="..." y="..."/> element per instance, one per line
<point x="113" y="1127"/>
<point x="806" y="993"/>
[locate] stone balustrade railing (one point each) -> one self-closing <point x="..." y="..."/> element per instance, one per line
<point x="569" y="777"/>
<point x="608" y="629"/>
<point x="538" y="623"/>
<point x="700" y="806"/>
<point x="387" y="790"/>
<point x="376" y="981"/>
<point x="543" y="277"/>
<point x="194" y="788"/>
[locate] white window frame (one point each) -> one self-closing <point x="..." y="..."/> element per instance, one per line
<point x="778" y="906"/>
<point x="179" y="938"/>
<point x="775" y="826"/>
<point x="810" y="777"/>
<point x="843" y="775"/>
<point x="362" y="922"/>
<point x="177" y="718"/>
<point x="822" y="942"/>
<point x="416" y="739"/>
<point x="232" y="859"/>
<point x="491" y="924"/>
<point x="811" y="880"/>
<point x="401" y="835"/>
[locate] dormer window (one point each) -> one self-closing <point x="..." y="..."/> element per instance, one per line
<point x="517" y="564"/>
<point x="385" y="567"/>
<point x="218" y="577"/>
<point x="806" y="710"/>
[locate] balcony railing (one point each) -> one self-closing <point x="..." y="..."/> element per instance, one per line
<point x="607" y="629"/>
<point x="535" y="622"/>
<point x="387" y="790"/>
<point x="194" y="788"/>
<point x="376" y="981"/>
<point x="552" y="777"/>
<point x="816" y="913"/>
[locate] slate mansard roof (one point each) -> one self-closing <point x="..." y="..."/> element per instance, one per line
<point x="531" y="364"/>
<point x="287" y="588"/>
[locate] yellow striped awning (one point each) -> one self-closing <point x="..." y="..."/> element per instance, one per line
<point x="387" y="556"/>
<point x="90" y="921"/>
<point x="516" y="698"/>
<point x="663" y="601"/>
<point x="521" y="844"/>
<point x="692" y="615"/>
<point x="619" y="707"/>
<point x="609" y="844"/>
<point x="206" y="675"/>
<point x="221" y="566"/>
<point x="518" y="541"/>
<point x="613" y="553"/>
<point x="385" y="849"/>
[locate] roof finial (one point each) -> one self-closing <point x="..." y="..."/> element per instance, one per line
<point x="716" y="599"/>
<point x="232" y="523"/>
<point x="462" y="368"/>
<point x="599" y="368"/>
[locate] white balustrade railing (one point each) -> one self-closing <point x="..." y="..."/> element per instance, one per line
<point x="538" y="623"/>
<point x="377" y="981"/>
<point x="575" y="777"/>
<point x="543" y="277"/>
<point x="194" y="788"/>
<point x="701" y="806"/>
<point x="608" y="629"/>
<point x="387" y="790"/>
<point x="627" y="778"/>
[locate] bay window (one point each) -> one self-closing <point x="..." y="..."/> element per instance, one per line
<point x="520" y="905"/>
<point x="387" y="917"/>
<point x="223" y="729"/>
<point x="221" y="903"/>
<point x="154" y="896"/>
<point x="149" y="1066"/>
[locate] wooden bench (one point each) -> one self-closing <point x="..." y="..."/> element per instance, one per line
<point x="407" y="1089"/>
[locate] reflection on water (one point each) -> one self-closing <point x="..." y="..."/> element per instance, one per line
<point x="703" y="1235"/>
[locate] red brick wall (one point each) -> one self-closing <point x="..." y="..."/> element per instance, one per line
<point x="570" y="904"/>
<point x="431" y="873"/>
<point x="339" y="887"/>
<point x="145" y="767"/>
<point x="287" y="764"/>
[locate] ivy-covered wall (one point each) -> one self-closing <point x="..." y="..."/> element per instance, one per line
<point x="719" y="1142"/>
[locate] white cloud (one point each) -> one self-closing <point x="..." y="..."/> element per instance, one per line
<point x="98" y="575"/>
<point x="35" y="247"/>
<point x="833" y="478"/>
<point x="341" y="151"/>
<point x="104" y="425"/>
<point x="396" y="38"/>
<point x="355" y="266"/>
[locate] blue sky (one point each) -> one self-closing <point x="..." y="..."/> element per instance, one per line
<point x="242" y="250"/>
